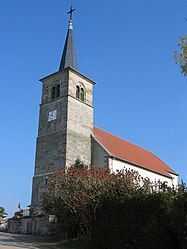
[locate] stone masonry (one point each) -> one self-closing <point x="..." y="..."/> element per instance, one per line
<point x="68" y="137"/>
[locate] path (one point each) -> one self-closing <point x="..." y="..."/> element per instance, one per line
<point x="20" y="241"/>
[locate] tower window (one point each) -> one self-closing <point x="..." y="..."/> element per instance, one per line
<point x="55" y="92"/>
<point x="80" y="93"/>
<point x="77" y="92"/>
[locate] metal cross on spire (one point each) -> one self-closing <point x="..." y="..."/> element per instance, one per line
<point x="71" y="13"/>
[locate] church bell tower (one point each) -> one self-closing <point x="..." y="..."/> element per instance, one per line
<point x="65" y="120"/>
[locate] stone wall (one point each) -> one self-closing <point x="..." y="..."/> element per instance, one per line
<point x="43" y="225"/>
<point x="51" y="141"/>
<point x="67" y="137"/>
<point x="79" y="120"/>
<point x="3" y="226"/>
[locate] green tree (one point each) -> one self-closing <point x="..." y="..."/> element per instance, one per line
<point x="180" y="56"/>
<point x="3" y="213"/>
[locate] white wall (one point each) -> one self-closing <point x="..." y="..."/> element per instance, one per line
<point x="175" y="179"/>
<point x="115" y="164"/>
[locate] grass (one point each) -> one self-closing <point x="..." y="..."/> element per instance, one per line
<point x="74" y="244"/>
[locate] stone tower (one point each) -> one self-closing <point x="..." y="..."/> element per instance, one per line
<point x="65" y="120"/>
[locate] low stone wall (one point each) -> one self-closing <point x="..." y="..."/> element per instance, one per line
<point x="4" y="226"/>
<point x="42" y="225"/>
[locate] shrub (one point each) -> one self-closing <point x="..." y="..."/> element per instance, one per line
<point x="139" y="222"/>
<point x="75" y="195"/>
<point x="120" y="210"/>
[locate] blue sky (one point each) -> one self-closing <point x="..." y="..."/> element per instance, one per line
<point x="126" y="46"/>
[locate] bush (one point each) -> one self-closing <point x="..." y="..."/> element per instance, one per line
<point x="75" y="195"/>
<point x="120" y="210"/>
<point x="139" y="222"/>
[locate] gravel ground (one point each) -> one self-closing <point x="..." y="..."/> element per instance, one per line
<point x="18" y="241"/>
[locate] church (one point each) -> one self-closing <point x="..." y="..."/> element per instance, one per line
<point x="66" y="130"/>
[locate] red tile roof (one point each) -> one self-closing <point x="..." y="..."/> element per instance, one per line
<point x="131" y="153"/>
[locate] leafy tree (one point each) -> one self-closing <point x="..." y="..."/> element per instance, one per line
<point x="181" y="55"/>
<point x="3" y="213"/>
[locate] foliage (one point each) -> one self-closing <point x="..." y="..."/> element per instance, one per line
<point x="181" y="55"/>
<point x="139" y="222"/>
<point x="142" y="221"/>
<point x="3" y="213"/>
<point x="121" y="210"/>
<point x="74" y="243"/>
<point x="79" y="164"/>
<point x="75" y="195"/>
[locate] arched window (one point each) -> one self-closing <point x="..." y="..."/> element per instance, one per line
<point x="77" y="92"/>
<point x="55" y="93"/>
<point x="82" y="94"/>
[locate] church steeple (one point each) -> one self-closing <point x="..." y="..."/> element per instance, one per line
<point x="69" y="54"/>
<point x="65" y="120"/>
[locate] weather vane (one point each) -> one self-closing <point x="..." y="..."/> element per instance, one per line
<point x="71" y="13"/>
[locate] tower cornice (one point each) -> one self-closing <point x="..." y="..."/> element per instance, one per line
<point x="65" y="70"/>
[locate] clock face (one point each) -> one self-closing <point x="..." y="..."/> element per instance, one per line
<point x="52" y="115"/>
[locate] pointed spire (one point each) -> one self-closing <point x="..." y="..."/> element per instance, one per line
<point x="69" y="54"/>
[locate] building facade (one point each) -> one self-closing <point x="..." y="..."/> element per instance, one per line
<point x="117" y="154"/>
